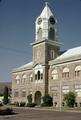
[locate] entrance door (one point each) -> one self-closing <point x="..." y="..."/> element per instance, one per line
<point x="38" y="97"/>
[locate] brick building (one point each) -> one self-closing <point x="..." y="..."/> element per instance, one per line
<point x="49" y="72"/>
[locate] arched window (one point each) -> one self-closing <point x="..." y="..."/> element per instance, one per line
<point x="31" y="77"/>
<point x="38" y="73"/>
<point x="65" y="73"/>
<point x="40" y="34"/>
<point x="17" y="79"/>
<point x="24" y="78"/>
<point x="77" y="71"/>
<point x="54" y="75"/>
<point x="51" y="34"/>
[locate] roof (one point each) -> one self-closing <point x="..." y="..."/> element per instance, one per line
<point x="23" y="67"/>
<point x="70" y="54"/>
<point x="46" y="13"/>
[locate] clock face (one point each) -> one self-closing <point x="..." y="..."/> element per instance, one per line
<point x="52" y="20"/>
<point x="39" y="21"/>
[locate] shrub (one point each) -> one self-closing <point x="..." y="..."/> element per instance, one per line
<point x="1" y="104"/>
<point x="29" y="97"/>
<point x="70" y="99"/>
<point x="17" y="104"/>
<point x="5" y="99"/>
<point x="31" y="104"/>
<point x="1" y="94"/>
<point x="22" y="104"/>
<point x="47" y="101"/>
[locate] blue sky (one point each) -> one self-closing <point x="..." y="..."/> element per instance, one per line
<point x="17" y="29"/>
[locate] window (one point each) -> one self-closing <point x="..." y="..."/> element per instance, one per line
<point x="24" y="79"/>
<point x="41" y="75"/>
<point x="65" y="73"/>
<point x="78" y="90"/>
<point x="77" y="86"/>
<point x="36" y="77"/>
<point x="54" y="88"/>
<point x="16" y="94"/>
<point x="31" y="77"/>
<point x="52" y="54"/>
<point x="23" y="93"/>
<point x="39" y="34"/>
<point x="38" y="72"/>
<point x="17" y="79"/>
<point x="65" y="89"/>
<point x="51" y="34"/>
<point x="54" y="75"/>
<point x="30" y="91"/>
<point x="77" y="71"/>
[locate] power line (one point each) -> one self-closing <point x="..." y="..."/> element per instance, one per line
<point x="13" y="50"/>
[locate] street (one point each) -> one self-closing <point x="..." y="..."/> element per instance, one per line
<point x="31" y="114"/>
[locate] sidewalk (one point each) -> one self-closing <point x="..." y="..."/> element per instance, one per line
<point x="50" y="109"/>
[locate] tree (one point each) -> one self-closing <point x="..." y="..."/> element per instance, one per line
<point x="47" y="100"/>
<point x="70" y="99"/>
<point x="30" y="104"/>
<point x="29" y="97"/>
<point x="1" y="94"/>
<point x="5" y="99"/>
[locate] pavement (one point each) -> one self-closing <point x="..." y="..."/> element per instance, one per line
<point x="41" y="114"/>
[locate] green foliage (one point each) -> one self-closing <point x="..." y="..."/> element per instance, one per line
<point x="17" y="104"/>
<point x="70" y="99"/>
<point x="5" y="99"/>
<point x="1" y="104"/>
<point x="31" y="104"/>
<point x="29" y="97"/>
<point x="1" y="94"/>
<point x="47" y="100"/>
<point x="22" y="104"/>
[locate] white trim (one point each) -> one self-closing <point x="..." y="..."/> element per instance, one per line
<point x="24" y="76"/>
<point x="54" y="72"/>
<point x="78" y="68"/>
<point x="67" y="63"/>
<point x="65" y="70"/>
<point x="17" y="77"/>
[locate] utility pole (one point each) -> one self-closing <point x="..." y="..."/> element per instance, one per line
<point x="60" y="92"/>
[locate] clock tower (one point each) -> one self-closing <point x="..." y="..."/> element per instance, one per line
<point x="46" y="45"/>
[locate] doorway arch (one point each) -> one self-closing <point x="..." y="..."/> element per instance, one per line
<point x="38" y="97"/>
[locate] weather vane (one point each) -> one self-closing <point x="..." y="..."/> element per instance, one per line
<point x="46" y="3"/>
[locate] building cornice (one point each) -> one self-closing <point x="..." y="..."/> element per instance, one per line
<point x="51" y="42"/>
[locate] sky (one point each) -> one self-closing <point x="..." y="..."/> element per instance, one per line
<point x="17" y="29"/>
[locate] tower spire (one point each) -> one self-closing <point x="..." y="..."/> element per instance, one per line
<point x="46" y="3"/>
